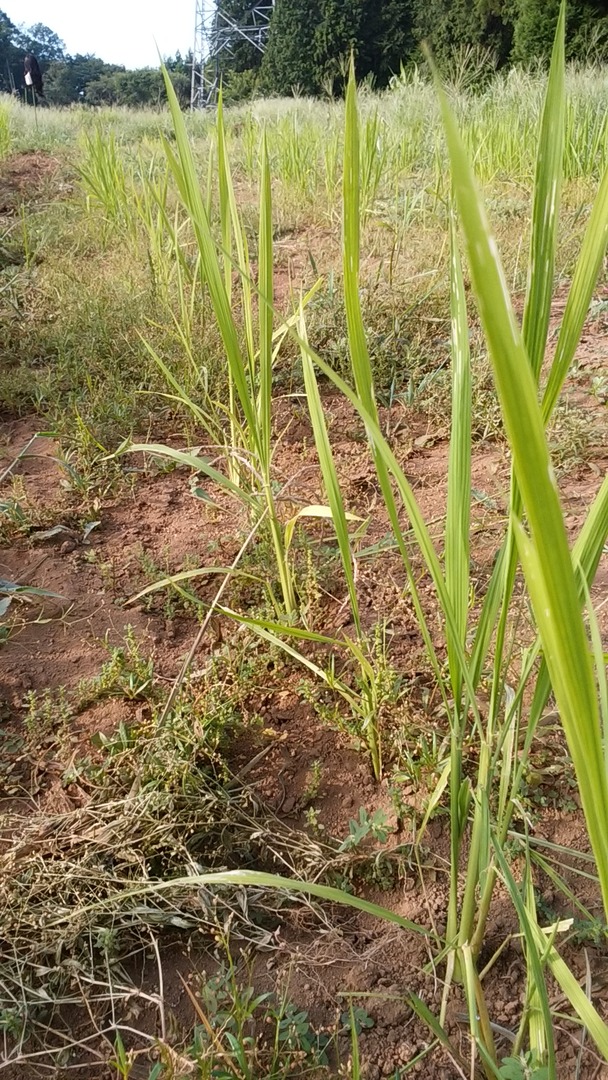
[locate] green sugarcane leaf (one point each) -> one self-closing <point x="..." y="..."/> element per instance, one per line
<point x="545" y="213"/>
<point x="458" y="515"/>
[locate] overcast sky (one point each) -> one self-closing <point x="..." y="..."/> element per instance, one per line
<point x="119" y="31"/>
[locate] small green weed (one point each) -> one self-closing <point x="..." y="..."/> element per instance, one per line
<point x="524" y="1067"/>
<point x="371" y="693"/>
<point x="313" y="784"/>
<point x="356" y="1019"/>
<point x="366" y="825"/>
<point x="126" y="674"/>
<point x="247" y="1035"/>
<point x="46" y="713"/>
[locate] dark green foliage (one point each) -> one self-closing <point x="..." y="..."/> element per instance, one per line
<point x="43" y="42"/>
<point x="11" y="58"/>
<point x="67" y="80"/>
<point x="586" y="36"/>
<point x="341" y="28"/>
<point x="290" y="60"/>
<point x="311" y="42"/>
<point x="392" y="41"/>
<point x="449" y="25"/>
<point x="135" y="89"/>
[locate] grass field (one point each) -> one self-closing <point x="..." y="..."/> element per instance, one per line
<point x="303" y="621"/>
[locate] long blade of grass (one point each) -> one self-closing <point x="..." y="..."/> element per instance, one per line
<point x="581" y="290"/>
<point x="586" y="555"/>
<point x="330" y="476"/>
<point x="458" y="513"/>
<point x="575" y="994"/>
<point x="264" y="881"/>
<point x="457" y="553"/>
<point x="538" y="1036"/>
<point x="240" y="243"/>
<point x="568" y="662"/>
<point x="532" y="957"/>
<point x="276" y="628"/>
<point x="189" y="575"/>
<point x="223" y="177"/>
<point x="193" y="461"/>
<point x="545" y="213"/>
<point x="424" y="1013"/>
<point x="186" y="177"/>
<point x="266" y="290"/>
<point x="181" y="393"/>
<point x="365" y="401"/>
<point x="266" y="356"/>
<point x="418" y="527"/>
<point x="542" y="951"/>
<point x="537" y="309"/>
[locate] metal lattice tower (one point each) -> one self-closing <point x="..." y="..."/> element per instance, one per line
<point x="215" y="37"/>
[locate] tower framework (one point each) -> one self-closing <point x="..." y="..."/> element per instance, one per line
<point x="216" y="35"/>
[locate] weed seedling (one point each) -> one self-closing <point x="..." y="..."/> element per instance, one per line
<point x="126" y="674"/>
<point x="374" y="825"/>
<point x="313" y="784"/>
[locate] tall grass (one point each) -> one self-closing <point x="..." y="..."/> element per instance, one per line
<point x="553" y="573"/>
<point x="250" y="363"/>
<point x="5" y="132"/>
<point x="104" y="177"/>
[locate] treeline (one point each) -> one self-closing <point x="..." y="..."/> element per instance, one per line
<point x="310" y="40"/>
<point x="87" y="79"/>
<point x="310" y="44"/>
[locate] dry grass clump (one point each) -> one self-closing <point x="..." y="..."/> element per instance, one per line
<point x="71" y="884"/>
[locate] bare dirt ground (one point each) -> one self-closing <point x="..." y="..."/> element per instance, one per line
<point x="156" y="521"/>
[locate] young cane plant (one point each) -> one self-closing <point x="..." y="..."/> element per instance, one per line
<point x="250" y="369"/>
<point x="551" y="577"/>
<point x="555" y="577"/>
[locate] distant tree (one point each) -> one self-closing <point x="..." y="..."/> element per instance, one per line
<point x="340" y="31"/>
<point x="311" y="42"/>
<point x="11" y="58"/>
<point x="39" y="39"/>
<point x="447" y="24"/>
<point x="135" y="89"/>
<point x="7" y="31"/>
<point x="537" y="19"/>
<point x="66" y="81"/>
<point x="388" y="41"/>
<point x="291" y="58"/>
<point x="180" y="70"/>
<point x="181" y="85"/>
<point x="450" y="25"/>
<point x="179" y="63"/>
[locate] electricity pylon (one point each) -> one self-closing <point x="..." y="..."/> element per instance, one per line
<point x="215" y="36"/>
